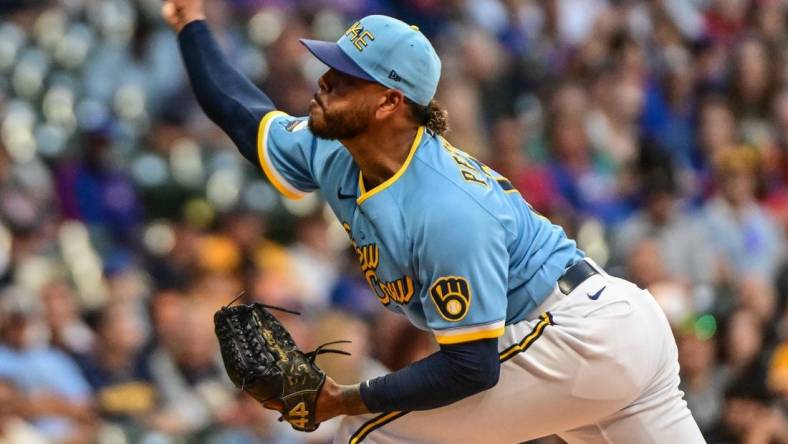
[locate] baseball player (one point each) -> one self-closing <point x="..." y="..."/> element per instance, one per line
<point x="535" y="338"/>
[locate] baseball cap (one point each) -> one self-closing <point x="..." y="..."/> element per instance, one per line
<point x="385" y="50"/>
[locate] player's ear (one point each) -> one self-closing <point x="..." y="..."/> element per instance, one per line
<point x="390" y="101"/>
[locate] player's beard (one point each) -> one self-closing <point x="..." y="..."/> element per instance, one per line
<point x="338" y="125"/>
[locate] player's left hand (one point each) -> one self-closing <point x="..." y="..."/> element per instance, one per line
<point x="262" y="359"/>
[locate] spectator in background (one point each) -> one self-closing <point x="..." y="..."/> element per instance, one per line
<point x="701" y="380"/>
<point x="580" y="178"/>
<point x="93" y="189"/>
<point x="189" y="377"/>
<point x="743" y="236"/>
<point x="68" y="330"/>
<point x="28" y="206"/>
<point x="246" y="231"/>
<point x="60" y="399"/>
<point x="118" y="371"/>
<point x="313" y="260"/>
<point x="742" y="346"/>
<point x="612" y="122"/>
<point x="749" y="415"/>
<point x="753" y="87"/>
<point x="777" y="381"/>
<point x="13" y="428"/>
<point x="780" y="111"/>
<point x="668" y="115"/>
<point x="716" y="132"/>
<point x="510" y="160"/>
<point x="726" y="20"/>
<point x="683" y="247"/>
<point x="757" y="294"/>
<point x="178" y="266"/>
<point x="359" y="366"/>
<point x="647" y="268"/>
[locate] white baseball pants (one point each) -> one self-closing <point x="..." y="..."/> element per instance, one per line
<point x="601" y="370"/>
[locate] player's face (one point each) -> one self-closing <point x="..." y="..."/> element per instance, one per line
<point x="341" y="109"/>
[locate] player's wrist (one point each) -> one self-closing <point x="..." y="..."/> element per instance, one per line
<point x="335" y="400"/>
<point x="197" y="16"/>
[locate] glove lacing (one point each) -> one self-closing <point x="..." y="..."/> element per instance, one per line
<point x="320" y="350"/>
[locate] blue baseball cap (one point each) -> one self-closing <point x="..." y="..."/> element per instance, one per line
<point x="385" y="50"/>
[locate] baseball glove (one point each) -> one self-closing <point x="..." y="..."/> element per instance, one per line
<point x="262" y="359"/>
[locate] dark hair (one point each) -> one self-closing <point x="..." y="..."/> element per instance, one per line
<point x="433" y="116"/>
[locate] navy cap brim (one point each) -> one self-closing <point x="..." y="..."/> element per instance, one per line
<point x="330" y="54"/>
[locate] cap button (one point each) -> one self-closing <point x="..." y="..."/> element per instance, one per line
<point x="414" y="27"/>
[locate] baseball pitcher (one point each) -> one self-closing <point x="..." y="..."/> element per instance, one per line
<point x="535" y="338"/>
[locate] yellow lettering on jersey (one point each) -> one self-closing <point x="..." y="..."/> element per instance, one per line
<point x="470" y="177"/>
<point x="399" y="290"/>
<point x="368" y="257"/>
<point x="470" y="168"/>
<point x="474" y="171"/>
<point x="372" y="280"/>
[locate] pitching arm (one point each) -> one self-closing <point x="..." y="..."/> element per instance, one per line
<point x="228" y="98"/>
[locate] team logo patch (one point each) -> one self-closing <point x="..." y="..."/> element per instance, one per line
<point x="452" y="297"/>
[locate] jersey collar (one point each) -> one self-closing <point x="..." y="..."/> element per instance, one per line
<point x="364" y="194"/>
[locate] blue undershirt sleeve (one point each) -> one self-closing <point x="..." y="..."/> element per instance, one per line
<point x="449" y="375"/>
<point x="228" y="98"/>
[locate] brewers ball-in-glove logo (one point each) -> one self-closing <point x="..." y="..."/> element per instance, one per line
<point x="452" y="297"/>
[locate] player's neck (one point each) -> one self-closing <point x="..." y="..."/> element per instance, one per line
<point x="380" y="154"/>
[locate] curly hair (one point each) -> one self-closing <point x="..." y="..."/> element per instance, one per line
<point x="433" y="116"/>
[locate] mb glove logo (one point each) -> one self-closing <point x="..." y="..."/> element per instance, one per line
<point x="452" y="297"/>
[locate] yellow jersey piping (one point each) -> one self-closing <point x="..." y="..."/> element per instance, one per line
<point x="491" y="333"/>
<point x="276" y="179"/>
<point x="390" y="181"/>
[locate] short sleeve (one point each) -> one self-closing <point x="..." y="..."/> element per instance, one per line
<point x="463" y="261"/>
<point x="285" y="148"/>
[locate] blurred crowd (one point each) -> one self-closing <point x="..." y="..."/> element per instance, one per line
<point x="654" y="131"/>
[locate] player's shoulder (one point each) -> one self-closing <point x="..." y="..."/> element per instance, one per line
<point x="437" y="195"/>
<point x="296" y="130"/>
<point x="450" y="182"/>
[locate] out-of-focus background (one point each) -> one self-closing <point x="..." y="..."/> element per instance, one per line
<point x="655" y="132"/>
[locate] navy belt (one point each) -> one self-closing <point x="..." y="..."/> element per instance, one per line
<point x="575" y="275"/>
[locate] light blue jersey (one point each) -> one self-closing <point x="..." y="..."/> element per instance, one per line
<point x="446" y="241"/>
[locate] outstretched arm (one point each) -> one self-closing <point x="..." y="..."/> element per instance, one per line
<point x="228" y="98"/>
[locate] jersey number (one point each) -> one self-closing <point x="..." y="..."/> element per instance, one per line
<point x="452" y="297"/>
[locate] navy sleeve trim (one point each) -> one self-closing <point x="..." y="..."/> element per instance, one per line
<point x="453" y="373"/>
